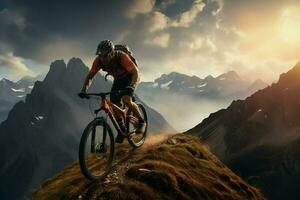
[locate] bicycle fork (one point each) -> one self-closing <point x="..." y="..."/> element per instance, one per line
<point x="98" y="148"/>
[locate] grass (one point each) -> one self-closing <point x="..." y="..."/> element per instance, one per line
<point x="179" y="168"/>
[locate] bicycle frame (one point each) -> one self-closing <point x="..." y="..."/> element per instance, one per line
<point x="108" y="107"/>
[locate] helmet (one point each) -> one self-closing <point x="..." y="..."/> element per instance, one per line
<point x="105" y="47"/>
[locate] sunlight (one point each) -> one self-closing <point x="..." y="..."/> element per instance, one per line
<point x="290" y="25"/>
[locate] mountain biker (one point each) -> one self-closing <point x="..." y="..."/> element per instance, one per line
<point x="126" y="76"/>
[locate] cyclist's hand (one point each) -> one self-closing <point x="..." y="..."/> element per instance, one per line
<point x="129" y="89"/>
<point x="83" y="94"/>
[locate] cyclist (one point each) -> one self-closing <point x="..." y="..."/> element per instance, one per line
<point x="126" y="76"/>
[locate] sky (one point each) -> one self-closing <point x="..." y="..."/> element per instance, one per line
<point x="257" y="39"/>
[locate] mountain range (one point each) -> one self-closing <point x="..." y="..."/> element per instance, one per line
<point x="190" y="97"/>
<point x="259" y="137"/>
<point x="227" y="85"/>
<point x="12" y="92"/>
<point x="41" y="134"/>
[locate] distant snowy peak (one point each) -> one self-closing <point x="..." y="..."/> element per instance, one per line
<point x="231" y="75"/>
<point x="18" y="90"/>
<point x="176" y="80"/>
<point x="15" y="91"/>
<point x="227" y="85"/>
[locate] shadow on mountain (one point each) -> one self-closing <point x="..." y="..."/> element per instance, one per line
<point x="259" y="137"/>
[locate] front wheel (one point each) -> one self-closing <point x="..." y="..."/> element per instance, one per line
<point x="136" y="140"/>
<point x="96" y="149"/>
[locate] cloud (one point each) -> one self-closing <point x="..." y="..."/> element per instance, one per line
<point x="9" y="17"/>
<point x="193" y="36"/>
<point x="187" y="17"/>
<point x="161" y="40"/>
<point x="13" y="66"/>
<point x="158" y="21"/>
<point x="139" y="7"/>
<point x="165" y="4"/>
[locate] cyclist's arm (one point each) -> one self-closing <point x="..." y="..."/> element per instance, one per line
<point x="95" y="68"/>
<point x="130" y="67"/>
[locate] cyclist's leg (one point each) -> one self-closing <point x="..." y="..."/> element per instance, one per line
<point x="116" y="98"/>
<point x="121" y="84"/>
<point x="127" y="100"/>
<point x="137" y="112"/>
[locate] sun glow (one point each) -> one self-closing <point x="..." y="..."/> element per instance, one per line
<point x="290" y="25"/>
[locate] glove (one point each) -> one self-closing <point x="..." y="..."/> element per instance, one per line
<point x="83" y="94"/>
<point x="129" y="89"/>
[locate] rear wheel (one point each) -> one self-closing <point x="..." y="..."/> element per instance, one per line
<point x="96" y="150"/>
<point x="136" y="140"/>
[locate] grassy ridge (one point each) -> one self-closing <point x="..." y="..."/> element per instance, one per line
<point x="179" y="168"/>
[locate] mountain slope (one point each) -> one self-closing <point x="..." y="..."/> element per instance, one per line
<point x="177" y="168"/>
<point x="41" y="135"/>
<point x="258" y="131"/>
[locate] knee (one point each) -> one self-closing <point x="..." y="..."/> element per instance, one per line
<point x="126" y="100"/>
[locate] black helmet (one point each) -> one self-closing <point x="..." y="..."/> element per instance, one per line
<point x="105" y="47"/>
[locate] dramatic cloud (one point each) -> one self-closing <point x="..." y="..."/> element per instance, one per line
<point x="13" y="66"/>
<point x="187" y="17"/>
<point x="193" y="36"/>
<point x="158" y="21"/>
<point x="139" y="7"/>
<point x="161" y="40"/>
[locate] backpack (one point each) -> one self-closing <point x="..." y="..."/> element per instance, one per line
<point x="124" y="48"/>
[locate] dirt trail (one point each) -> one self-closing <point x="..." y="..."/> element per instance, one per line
<point x="154" y="139"/>
<point x="117" y="172"/>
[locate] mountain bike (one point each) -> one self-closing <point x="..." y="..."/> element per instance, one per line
<point x="97" y="144"/>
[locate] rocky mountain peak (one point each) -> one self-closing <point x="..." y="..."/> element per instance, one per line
<point x="209" y="78"/>
<point x="5" y="81"/>
<point x="290" y="78"/>
<point x="75" y="64"/>
<point x="230" y="75"/>
<point x="56" y="72"/>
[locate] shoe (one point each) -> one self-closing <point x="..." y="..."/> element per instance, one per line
<point x="141" y="126"/>
<point x="119" y="138"/>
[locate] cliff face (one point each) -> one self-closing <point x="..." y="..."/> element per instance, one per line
<point x="13" y="92"/>
<point x="257" y="129"/>
<point x="178" y="167"/>
<point x="41" y="135"/>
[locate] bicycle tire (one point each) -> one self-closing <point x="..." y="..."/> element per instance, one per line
<point x="86" y="159"/>
<point x="142" y="139"/>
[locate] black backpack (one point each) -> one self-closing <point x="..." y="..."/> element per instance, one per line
<point x="124" y="48"/>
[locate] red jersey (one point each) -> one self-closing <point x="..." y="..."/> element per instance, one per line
<point x="114" y="68"/>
